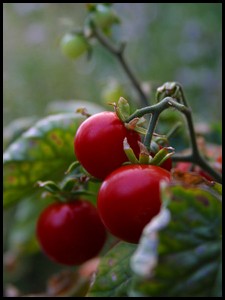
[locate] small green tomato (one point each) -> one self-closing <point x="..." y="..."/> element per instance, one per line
<point x="73" y="45"/>
<point x="104" y="16"/>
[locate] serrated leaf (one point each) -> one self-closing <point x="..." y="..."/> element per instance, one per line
<point x="188" y="259"/>
<point x="41" y="153"/>
<point x="114" y="274"/>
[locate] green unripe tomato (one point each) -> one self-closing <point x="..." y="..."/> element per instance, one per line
<point x="73" y="45"/>
<point x="104" y="16"/>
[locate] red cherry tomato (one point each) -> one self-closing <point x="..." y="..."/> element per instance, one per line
<point x="71" y="233"/>
<point x="129" y="198"/>
<point x="98" y="143"/>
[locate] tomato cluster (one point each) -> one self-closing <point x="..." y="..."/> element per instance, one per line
<point x="129" y="196"/>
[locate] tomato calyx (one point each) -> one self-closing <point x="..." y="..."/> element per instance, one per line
<point x="71" y="188"/>
<point x="146" y="157"/>
<point x="123" y="112"/>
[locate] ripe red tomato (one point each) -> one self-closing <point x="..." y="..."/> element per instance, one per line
<point x="129" y="198"/>
<point x="98" y="143"/>
<point x="71" y="233"/>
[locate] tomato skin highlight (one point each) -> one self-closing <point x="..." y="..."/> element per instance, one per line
<point x="70" y="233"/>
<point x="98" y="144"/>
<point x="129" y="198"/>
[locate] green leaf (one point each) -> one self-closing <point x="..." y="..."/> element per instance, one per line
<point x="114" y="272"/>
<point x="183" y="258"/>
<point x="16" y="128"/>
<point x="41" y="153"/>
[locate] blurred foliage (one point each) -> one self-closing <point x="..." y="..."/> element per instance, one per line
<point x="165" y="42"/>
<point x="185" y="258"/>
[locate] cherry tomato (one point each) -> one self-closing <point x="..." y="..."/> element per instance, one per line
<point x="129" y="198"/>
<point x="98" y="143"/>
<point x="71" y="233"/>
<point x="73" y="45"/>
<point x="104" y="16"/>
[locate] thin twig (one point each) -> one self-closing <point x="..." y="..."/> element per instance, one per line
<point x="119" y="54"/>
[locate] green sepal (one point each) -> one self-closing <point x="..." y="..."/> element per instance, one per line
<point x="122" y="109"/>
<point x="68" y="185"/>
<point x="49" y="186"/>
<point x="72" y="167"/>
<point x="129" y="152"/>
<point x="161" y="156"/>
<point x="144" y="157"/>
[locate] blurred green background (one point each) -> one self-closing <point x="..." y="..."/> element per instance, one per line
<point x="165" y="42"/>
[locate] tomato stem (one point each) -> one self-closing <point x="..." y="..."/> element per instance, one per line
<point x="155" y="110"/>
<point x="118" y="52"/>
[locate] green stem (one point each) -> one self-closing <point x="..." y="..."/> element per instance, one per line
<point x="151" y="128"/>
<point x="195" y="157"/>
<point x="118" y="52"/>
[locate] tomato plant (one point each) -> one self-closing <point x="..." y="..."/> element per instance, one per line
<point x="98" y="143"/>
<point x="110" y="171"/>
<point x="129" y="198"/>
<point x="70" y="233"/>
